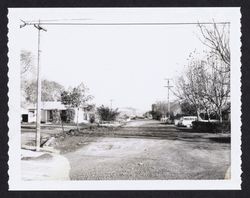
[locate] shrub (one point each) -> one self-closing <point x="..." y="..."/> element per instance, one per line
<point x="68" y="115"/>
<point x="92" y="118"/>
<point x="212" y="127"/>
<point x="107" y="114"/>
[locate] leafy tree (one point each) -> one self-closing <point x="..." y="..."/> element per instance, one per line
<point x="51" y="91"/>
<point x="107" y="114"/>
<point x="76" y="98"/>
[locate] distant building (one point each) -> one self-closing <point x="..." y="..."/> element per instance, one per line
<point x="162" y="107"/>
<point x="154" y="107"/>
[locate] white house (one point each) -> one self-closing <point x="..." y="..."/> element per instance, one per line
<point x="28" y="114"/>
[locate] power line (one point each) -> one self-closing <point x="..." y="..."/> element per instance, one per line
<point x="48" y="20"/>
<point x="127" y="23"/>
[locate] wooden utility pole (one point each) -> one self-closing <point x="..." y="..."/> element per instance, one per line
<point x="39" y="86"/>
<point x="39" y="95"/>
<point x="168" y="86"/>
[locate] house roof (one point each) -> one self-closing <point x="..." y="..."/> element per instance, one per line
<point x="51" y="105"/>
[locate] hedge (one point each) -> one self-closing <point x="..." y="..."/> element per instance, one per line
<point x="212" y="127"/>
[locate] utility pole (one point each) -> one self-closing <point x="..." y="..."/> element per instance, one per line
<point x="168" y="86"/>
<point x="39" y="86"/>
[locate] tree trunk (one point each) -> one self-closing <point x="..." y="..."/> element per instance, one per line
<point x="208" y="115"/>
<point x="62" y="126"/>
<point x="77" y="115"/>
<point x="198" y="114"/>
<point x="220" y="114"/>
<point x="61" y="120"/>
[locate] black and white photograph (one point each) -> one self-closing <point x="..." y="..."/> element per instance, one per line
<point x="124" y="98"/>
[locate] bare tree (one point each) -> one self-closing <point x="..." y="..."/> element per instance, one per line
<point x="190" y="87"/>
<point x="218" y="91"/>
<point x="27" y="71"/>
<point x="205" y="86"/>
<point x="217" y="39"/>
<point x="27" y="61"/>
<point x="206" y="82"/>
<point x="162" y="107"/>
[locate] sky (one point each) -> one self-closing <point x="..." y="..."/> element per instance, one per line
<point x="127" y="64"/>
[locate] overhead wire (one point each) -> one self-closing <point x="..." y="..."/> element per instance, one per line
<point x="48" y="20"/>
<point x="43" y="22"/>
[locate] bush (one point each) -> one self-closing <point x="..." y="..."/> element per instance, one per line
<point x="92" y="118"/>
<point x="107" y="114"/>
<point x="212" y="127"/>
<point x="68" y="115"/>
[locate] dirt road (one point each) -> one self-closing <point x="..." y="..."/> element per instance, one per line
<point x="149" y="150"/>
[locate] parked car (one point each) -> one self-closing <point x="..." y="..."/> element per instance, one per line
<point x="187" y="121"/>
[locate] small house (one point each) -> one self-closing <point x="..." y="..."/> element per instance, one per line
<point x="51" y="111"/>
